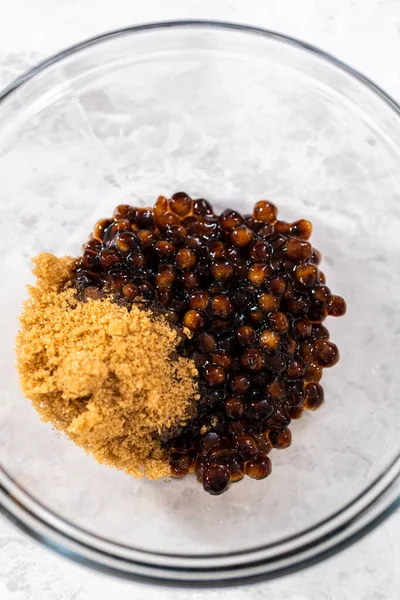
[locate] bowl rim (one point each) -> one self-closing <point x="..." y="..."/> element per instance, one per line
<point x="322" y="540"/>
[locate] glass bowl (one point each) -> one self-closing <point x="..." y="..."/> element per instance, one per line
<point x="233" y="114"/>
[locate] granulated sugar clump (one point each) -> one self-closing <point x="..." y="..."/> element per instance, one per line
<point x="109" y="377"/>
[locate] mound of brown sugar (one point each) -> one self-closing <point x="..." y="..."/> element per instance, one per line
<point x="107" y="376"/>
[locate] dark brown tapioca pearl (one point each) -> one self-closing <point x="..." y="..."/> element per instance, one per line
<point x="301" y="229"/>
<point x="126" y="241"/>
<point x="92" y="244"/>
<point x="241" y="236"/>
<point x="200" y="359"/>
<point x="216" y="250"/>
<point x="322" y="278"/>
<point x="320" y="295"/>
<point x="221" y="456"/>
<point x="267" y="302"/>
<point x="190" y="280"/>
<point x="276" y="363"/>
<point x="252" y="360"/>
<point x="146" y="238"/>
<point x="223" y="359"/>
<point x="206" y="342"/>
<point x="222" y="306"/>
<point x="302" y="329"/>
<point x="234" y="407"/>
<point x="146" y="290"/>
<point x="290" y="291"/>
<point x="165" y="276"/>
<point x="264" y="230"/>
<point x="194" y="243"/>
<point x="256" y="316"/>
<point x="260" y="410"/>
<point x="116" y="279"/>
<point x="278" y="243"/>
<point x="276" y="286"/>
<point x="295" y="369"/>
<point x="202" y="208"/>
<point x="222" y="270"/>
<point x="181" y="204"/>
<point x="236" y="470"/>
<point x="214" y="375"/>
<point x="316" y="315"/>
<point x="269" y="340"/>
<point x="278" y="322"/>
<point x="230" y="219"/>
<point x="326" y="353"/>
<point x="240" y="384"/>
<point x="200" y="464"/>
<point x="164" y="297"/>
<point x="246" y="335"/>
<point x="280" y="438"/>
<point x="130" y="291"/>
<point x="259" y="467"/>
<point x="296" y="394"/>
<point x="260" y="251"/>
<point x="336" y="306"/>
<point x="258" y="273"/>
<point x="237" y="428"/>
<point x="314" y="395"/>
<point x="276" y="389"/>
<point x="176" y="234"/>
<point x="282" y="227"/>
<point x="137" y="263"/>
<point x="288" y="344"/>
<point x="185" y="259"/>
<point x="234" y="255"/>
<point x="125" y="211"/>
<point x="145" y="218"/>
<point x="306" y="275"/>
<point x="209" y="227"/>
<point x="297" y="306"/>
<point x="216" y="479"/>
<point x="296" y="412"/>
<point x="100" y="228"/>
<point x="246" y="446"/>
<point x="313" y="373"/>
<point x="167" y="219"/>
<point x="220" y="326"/>
<point x="199" y="299"/>
<point x="265" y="211"/>
<point x="89" y="260"/>
<point x="164" y="250"/>
<point x="298" y="250"/>
<point x="280" y="419"/>
<point x="117" y="227"/>
<point x="305" y="351"/>
<point x="179" y="464"/>
<point x="209" y="440"/>
<point x="194" y="320"/>
<point x="212" y="399"/>
<point x="319" y="332"/>
<point x="316" y="258"/>
<point x="109" y="257"/>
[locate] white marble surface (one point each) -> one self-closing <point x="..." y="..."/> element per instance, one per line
<point x="364" y="33"/>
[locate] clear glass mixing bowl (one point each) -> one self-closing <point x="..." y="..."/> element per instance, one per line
<point x="233" y="114"/>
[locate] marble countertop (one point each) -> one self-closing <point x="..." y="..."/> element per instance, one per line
<point x="363" y="33"/>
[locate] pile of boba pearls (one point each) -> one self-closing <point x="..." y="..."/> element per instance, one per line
<point x="250" y="291"/>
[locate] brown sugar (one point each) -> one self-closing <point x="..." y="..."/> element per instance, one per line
<point x="109" y="377"/>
